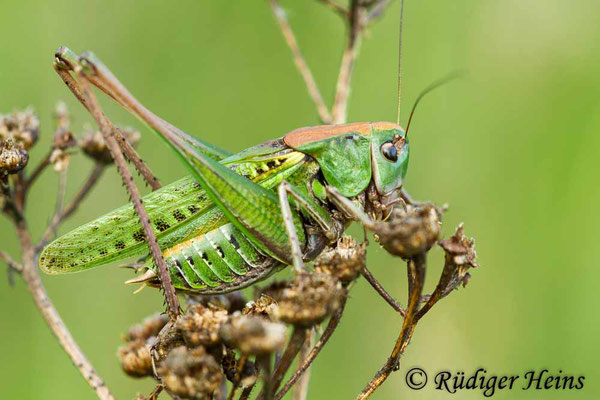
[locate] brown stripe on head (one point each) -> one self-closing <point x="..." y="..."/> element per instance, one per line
<point x="301" y="136"/>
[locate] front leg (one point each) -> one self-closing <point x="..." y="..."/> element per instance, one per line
<point x="328" y="225"/>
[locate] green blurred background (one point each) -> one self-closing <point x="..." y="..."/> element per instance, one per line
<point x="513" y="148"/>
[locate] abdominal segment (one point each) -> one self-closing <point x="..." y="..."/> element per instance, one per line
<point x="219" y="261"/>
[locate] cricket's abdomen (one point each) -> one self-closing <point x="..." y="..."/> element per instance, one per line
<point x="218" y="261"/>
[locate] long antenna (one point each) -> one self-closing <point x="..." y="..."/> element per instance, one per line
<point x="434" y="85"/>
<point x="400" y="60"/>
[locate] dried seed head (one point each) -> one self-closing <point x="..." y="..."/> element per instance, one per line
<point x="309" y="299"/>
<point x="13" y="157"/>
<point x="135" y="354"/>
<point x="253" y="335"/>
<point x="21" y="126"/>
<point x="232" y="302"/>
<point x="200" y="325"/>
<point x="135" y="358"/>
<point x="150" y="327"/>
<point x="460" y="251"/>
<point x="60" y="159"/>
<point x="93" y="144"/>
<point x="231" y="367"/>
<point x="345" y="261"/>
<point x="411" y="232"/>
<point x="191" y="374"/>
<point x="264" y="306"/>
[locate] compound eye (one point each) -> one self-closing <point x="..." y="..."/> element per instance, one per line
<point x="389" y="151"/>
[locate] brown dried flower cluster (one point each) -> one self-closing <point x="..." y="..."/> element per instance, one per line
<point x="93" y="144"/>
<point x="410" y="231"/>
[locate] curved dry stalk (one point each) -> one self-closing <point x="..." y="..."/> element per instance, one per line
<point x="67" y="211"/>
<point x="331" y="327"/>
<point x="382" y="292"/>
<point x="40" y="296"/>
<point x="416" y="278"/>
<point x="301" y="65"/>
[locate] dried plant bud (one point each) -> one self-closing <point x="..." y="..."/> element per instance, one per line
<point x="60" y="160"/>
<point x="460" y="252"/>
<point x="135" y="354"/>
<point x="411" y="232"/>
<point x="200" y="325"/>
<point x="345" y="261"/>
<point x="93" y="144"/>
<point x="13" y="157"/>
<point x="232" y="302"/>
<point x="191" y="374"/>
<point x="231" y="367"/>
<point x="253" y="335"/>
<point x="135" y="358"/>
<point x="309" y="299"/>
<point x="150" y="327"/>
<point x="264" y="306"/>
<point x="64" y="139"/>
<point x="21" y="126"/>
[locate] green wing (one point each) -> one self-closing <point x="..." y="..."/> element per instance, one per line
<point x="177" y="212"/>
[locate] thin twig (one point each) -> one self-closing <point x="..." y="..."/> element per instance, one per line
<point x="382" y="292"/>
<point x="416" y="277"/>
<point x="37" y="171"/>
<point x="53" y="319"/>
<point x="300" y="391"/>
<point x="66" y="212"/>
<point x="338" y="8"/>
<point x="293" y="347"/>
<point x="111" y="142"/>
<point x="331" y="327"/>
<point x="12" y="264"/>
<point x="342" y="91"/>
<point x="301" y="65"/>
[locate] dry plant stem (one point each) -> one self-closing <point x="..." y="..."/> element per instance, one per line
<point x="66" y="212"/>
<point x="40" y="296"/>
<point x="12" y="264"/>
<point x="128" y="150"/>
<point x="331" y="326"/>
<point x="300" y="391"/>
<point x="416" y="278"/>
<point x="165" y="279"/>
<point x="264" y="363"/>
<point x="309" y="80"/>
<point x="382" y="292"/>
<point x="440" y="289"/>
<point x="41" y="167"/>
<point x="293" y="347"/>
<point x="338" y="8"/>
<point x="342" y="92"/>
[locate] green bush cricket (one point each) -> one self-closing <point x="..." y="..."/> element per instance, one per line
<point x="240" y="217"/>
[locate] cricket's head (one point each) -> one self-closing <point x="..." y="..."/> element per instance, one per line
<point x="389" y="157"/>
<point x="353" y="155"/>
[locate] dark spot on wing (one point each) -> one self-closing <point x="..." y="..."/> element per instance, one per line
<point x="179" y="216"/>
<point x="120" y="245"/>
<point x="193" y="209"/>
<point x="139" y="235"/>
<point x="161" y="224"/>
